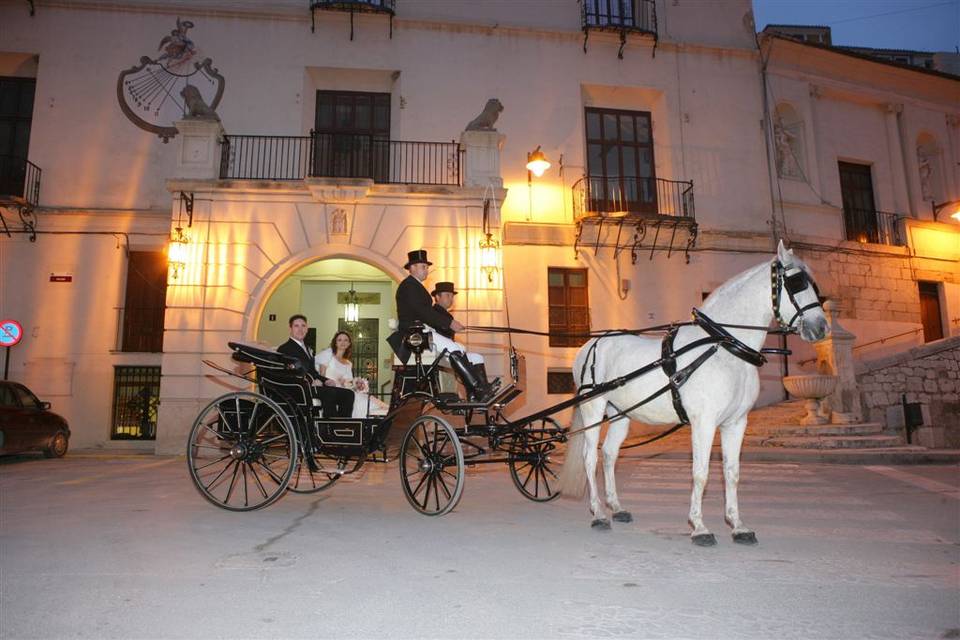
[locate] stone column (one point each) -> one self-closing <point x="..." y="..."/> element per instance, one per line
<point x="898" y="171"/>
<point x="835" y="357"/>
<point x="482" y="158"/>
<point x="200" y="141"/>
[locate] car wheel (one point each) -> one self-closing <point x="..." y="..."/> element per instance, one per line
<point x="58" y="446"/>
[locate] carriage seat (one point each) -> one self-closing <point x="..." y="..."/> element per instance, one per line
<point x="280" y="377"/>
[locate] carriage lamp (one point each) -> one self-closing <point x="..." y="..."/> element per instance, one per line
<point x="937" y="208"/>
<point x="177" y="252"/>
<point x="351" y="310"/>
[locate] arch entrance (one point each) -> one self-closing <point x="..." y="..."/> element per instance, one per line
<point x="319" y="290"/>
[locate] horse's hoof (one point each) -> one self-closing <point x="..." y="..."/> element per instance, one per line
<point x="623" y="516"/>
<point x="600" y="524"/>
<point x="704" y="540"/>
<point x="745" y="537"/>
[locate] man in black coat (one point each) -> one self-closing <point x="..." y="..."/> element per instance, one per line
<point x="414" y="304"/>
<point x="443" y="294"/>
<point x="337" y="402"/>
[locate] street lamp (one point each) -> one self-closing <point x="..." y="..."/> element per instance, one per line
<point x="943" y="205"/>
<point x="488" y="246"/>
<point x="177" y="252"/>
<point x="537" y="163"/>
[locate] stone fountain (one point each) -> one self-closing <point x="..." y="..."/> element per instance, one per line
<point x="813" y="389"/>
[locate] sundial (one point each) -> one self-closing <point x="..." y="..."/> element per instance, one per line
<point x="156" y="92"/>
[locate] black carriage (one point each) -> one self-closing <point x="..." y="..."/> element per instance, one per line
<point x="247" y="449"/>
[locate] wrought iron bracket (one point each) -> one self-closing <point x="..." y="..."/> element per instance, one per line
<point x="29" y="221"/>
<point x="186" y="202"/>
<point x="637" y="243"/>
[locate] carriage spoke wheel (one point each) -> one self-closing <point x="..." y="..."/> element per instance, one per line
<point x="431" y="466"/>
<point x="242" y="451"/>
<point x="535" y="464"/>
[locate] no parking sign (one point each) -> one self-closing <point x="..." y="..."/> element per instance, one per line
<point x="10" y="334"/>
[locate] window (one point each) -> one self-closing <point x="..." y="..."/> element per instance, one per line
<point x="859" y="212"/>
<point x="145" y="302"/>
<point x="352" y="135"/>
<point x="560" y="381"/>
<point x="621" y="14"/>
<point x="930" y="315"/>
<point x="136" y="395"/>
<point x="620" y="168"/>
<point x="16" y="116"/>
<point x="568" y="302"/>
<point x="27" y="399"/>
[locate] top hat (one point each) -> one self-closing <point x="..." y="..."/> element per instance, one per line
<point x="443" y="287"/>
<point x="413" y="257"/>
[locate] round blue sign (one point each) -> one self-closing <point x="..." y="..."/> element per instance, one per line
<point x="10" y="333"/>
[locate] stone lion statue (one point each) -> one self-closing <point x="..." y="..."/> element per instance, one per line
<point x="196" y="107"/>
<point x="487" y="118"/>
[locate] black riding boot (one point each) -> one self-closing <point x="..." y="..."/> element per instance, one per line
<point x="481" y="371"/>
<point x="477" y="389"/>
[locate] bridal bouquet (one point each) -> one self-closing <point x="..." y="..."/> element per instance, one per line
<point x="359" y="384"/>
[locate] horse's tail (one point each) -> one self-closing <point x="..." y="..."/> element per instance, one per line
<point x="573" y="475"/>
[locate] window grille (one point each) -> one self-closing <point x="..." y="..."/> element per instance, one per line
<point x="136" y="396"/>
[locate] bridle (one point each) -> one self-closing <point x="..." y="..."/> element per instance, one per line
<point x="792" y="283"/>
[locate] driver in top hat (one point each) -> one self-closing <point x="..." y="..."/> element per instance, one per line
<point x="443" y="293"/>
<point x="414" y="304"/>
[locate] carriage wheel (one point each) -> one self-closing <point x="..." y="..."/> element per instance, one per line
<point x="535" y="463"/>
<point x="306" y="481"/>
<point x="242" y="451"/>
<point x="431" y="466"/>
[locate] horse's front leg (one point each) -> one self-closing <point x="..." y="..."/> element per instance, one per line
<point x="616" y="434"/>
<point x="731" y="439"/>
<point x="701" y="436"/>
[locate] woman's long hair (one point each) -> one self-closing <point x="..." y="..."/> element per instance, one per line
<point x="348" y="354"/>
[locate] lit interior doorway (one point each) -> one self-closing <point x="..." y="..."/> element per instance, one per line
<point x="320" y="291"/>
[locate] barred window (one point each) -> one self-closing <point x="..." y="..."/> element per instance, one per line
<point x="136" y="395"/>
<point x="145" y="302"/>
<point x="568" y="302"/>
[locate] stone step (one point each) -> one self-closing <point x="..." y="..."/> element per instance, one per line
<point x="786" y="430"/>
<point x="826" y="442"/>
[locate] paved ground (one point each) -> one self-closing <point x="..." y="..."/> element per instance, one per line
<point x="123" y="547"/>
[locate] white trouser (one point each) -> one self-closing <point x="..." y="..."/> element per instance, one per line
<point x="442" y="342"/>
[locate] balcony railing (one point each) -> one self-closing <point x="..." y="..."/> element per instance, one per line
<point x="353" y="6"/>
<point x="877" y="227"/>
<point x="19" y="180"/>
<point x="340" y="156"/>
<point x="620" y="196"/>
<point x="619" y="15"/>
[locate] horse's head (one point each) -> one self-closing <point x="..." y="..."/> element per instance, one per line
<point x="796" y="298"/>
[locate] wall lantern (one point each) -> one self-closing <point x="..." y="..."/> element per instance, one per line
<point x="177" y="250"/>
<point x="937" y="208"/>
<point x="351" y="310"/>
<point x="537" y="162"/>
<point x="488" y="246"/>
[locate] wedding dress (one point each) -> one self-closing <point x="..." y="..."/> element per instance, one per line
<point x="342" y="374"/>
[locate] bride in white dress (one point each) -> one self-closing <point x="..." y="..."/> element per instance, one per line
<point x="338" y="367"/>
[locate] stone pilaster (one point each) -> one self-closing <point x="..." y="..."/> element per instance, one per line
<point x="482" y="158"/>
<point x="199" y="155"/>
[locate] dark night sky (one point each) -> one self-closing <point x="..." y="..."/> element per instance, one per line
<point x="922" y="25"/>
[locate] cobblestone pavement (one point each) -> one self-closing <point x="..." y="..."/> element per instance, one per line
<point x="123" y="547"/>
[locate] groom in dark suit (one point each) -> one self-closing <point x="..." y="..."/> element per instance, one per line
<point x="337" y="402"/>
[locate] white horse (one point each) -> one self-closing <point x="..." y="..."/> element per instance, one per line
<point x="718" y="394"/>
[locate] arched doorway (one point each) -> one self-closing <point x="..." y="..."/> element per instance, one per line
<point x="319" y="290"/>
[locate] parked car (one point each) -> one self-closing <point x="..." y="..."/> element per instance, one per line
<point x="26" y="424"/>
